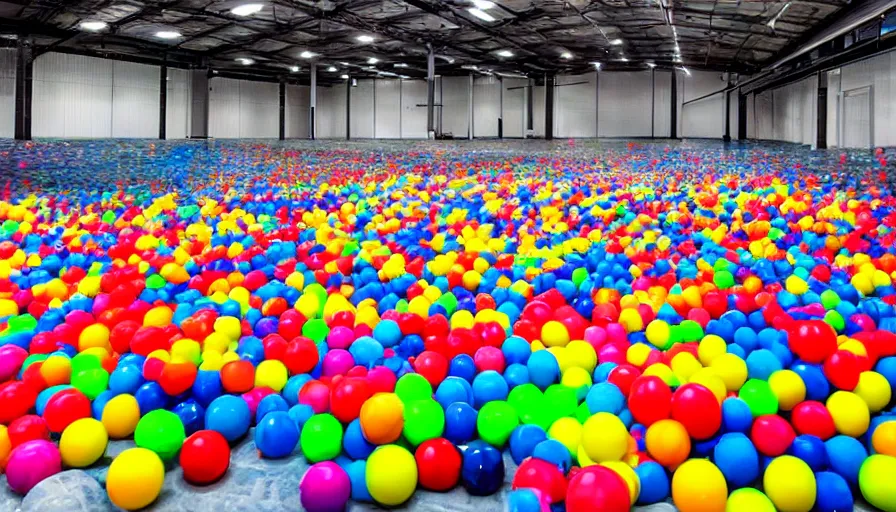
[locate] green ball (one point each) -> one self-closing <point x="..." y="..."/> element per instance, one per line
<point x="83" y="362"/>
<point x="413" y="386"/>
<point x="830" y="299"/>
<point x="560" y="401"/>
<point x="162" y="432"/>
<point x="316" y="330"/>
<point x="91" y="382"/>
<point x="759" y="397"/>
<point x="496" y="422"/>
<point x="423" y="420"/>
<point x="34" y="358"/>
<point x="835" y="320"/>
<point x="529" y="403"/>
<point x="321" y="438"/>
<point x="723" y="279"/>
<point x="583" y="413"/>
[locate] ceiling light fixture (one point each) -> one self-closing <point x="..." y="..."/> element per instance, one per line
<point x="505" y="53"/>
<point x="331" y="69"/>
<point x="364" y="38"/>
<point x="651" y="65"/>
<point x="373" y="60"/>
<point x="566" y="55"/>
<point x="344" y="77"/>
<point x="400" y="65"/>
<point x="167" y="34"/>
<point x="93" y="26"/>
<point x="294" y="69"/>
<point x="482" y="15"/>
<point x="596" y="65"/>
<point x="246" y="9"/>
<point x="307" y="55"/>
<point x="483" y="4"/>
<point x="623" y="59"/>
<point x="245" y="61"/>
<point x="616" y="42"/>
<point x="686" y="70"/>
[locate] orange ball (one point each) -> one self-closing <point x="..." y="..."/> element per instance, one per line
<point x="668" y="443"/>
<point x="382" y="418"/>
<point x="238" y="376"/>
<point x="884" y="438"/>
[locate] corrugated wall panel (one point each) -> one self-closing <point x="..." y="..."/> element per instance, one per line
<point x="180" y="99"/>
<point x="538" y="111"/>
<point x="259" y="110"/>
<point x="704" y="118"/>
<point x="72" y="97"/>
<point x="362" y="110"/>
<point x="388" y="109"/>
<point x="486" y="106"/>
<point x="456" y="105"/>
<point x="879" y="73"/>
<point x="624" y="104"/>
<point x="7" y="93"/>
<point x="514" y="107"/>
<point x="298" y="107"/>
<point x="662" y="104"/>
<point x="135" y="100"/>
<point x="331" y="112"/>
<point x="751" y="116"/>
<point x="413" y="116"/>
<point x="764" y="107"/>
<point x="575" y="106"/>
<point x="224" y="108"/>
<point x="833" y="124"/>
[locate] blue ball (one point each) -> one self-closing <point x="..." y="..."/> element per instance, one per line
<point x="300" y="414"/>
<point x="126" y="379"/>
<point x="366" y="351"/>
<point x="150" y="396"/>
<point x="811" y="450"/>
<point x="454" y="389"/>
<point x="602" y="372"/>
<point x="489" y="386"/>
<point x="460" y="423"/>
<point x="605" y="397"/>
<point x="516" y="350"/>
<point x="654" y="483"/>
<point x="762" y="363"/>
<point x="357" y="474"/>
<point x="387" y="333"/>
<point x="846" y="456"/>
<point x="523" y="441"/>
<point x="833" y="493"/>
<point x="482" y="472"/>
<point x="746" y="338"/>
<point x="276" y="435"/>
<point x="887" y="367"/>
<point x="99" y="403"/>
<point x="737" y="459"/>
<point x="354" y="442"/>
<point x="736" y="415"/>
<point x="817" y="385"/>
<point x="293" y="386"/>
<point x="516" y="375"/>
<point x="555" y="452"/>
<point x="207" y="387"/>
<point x="462" y="366"/>
<point x="268" y="404"/>
<point x="543" y="369"/>
<point x="230" y="416"/>
<point x="523" y="500"/>
<point x="191" y="414"/>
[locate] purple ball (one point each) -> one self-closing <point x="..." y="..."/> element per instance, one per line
<point x="30" y="463"/>
<point x="325" y="487"/>
<point x="337" y="362"/>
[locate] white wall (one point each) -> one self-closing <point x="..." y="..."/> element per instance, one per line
<point x="388" y="109"/>
<point x="135" y="100"/>
<point x="624" y="104"/>
<point x="72" y="96"/>
<point x="7" y="93"/>
<point x="330" y="112"/>
<point x="878" y="73"/>
<point x="538" y="106"/>
<point x="413" y="117"/>
<point x="486" y="106"/>
<point x="243" y="109"/>
<point x="514" y="106"/>
<point x="298" y="111"/>
<point x="704" y="118"/>
<point x="362" y="126"/>
<point x="575" y="106"/>
<point x="662" y="104"/>
<point x="794" y="116"/>
<point x="177" y="109"/>
<point x="455" y="94"/>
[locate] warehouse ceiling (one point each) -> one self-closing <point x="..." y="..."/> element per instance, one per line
<point x="391" y="37"/>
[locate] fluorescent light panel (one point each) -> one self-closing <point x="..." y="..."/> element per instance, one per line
<point x="246" y="9"/>
<point x="93" y="26"/>
<point x="505" y="53"/>
<point x="483" y="4"/>
<point x="364" y="38"/>
<point x="482" y="15"/>
<point x="167" y="34"/>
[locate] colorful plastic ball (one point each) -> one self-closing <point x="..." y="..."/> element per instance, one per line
<point x="460" y="422"/>
<point x="759" y="396"/>
<point x="325" y="487"/>
<point x="412" y="386"/>
<point x="850" y="413"/>
<point x="454" y="389"/>
<point x="874" y="389"/>
<point x="205" y="457"/>
<point x="482" y="473"/>
<point x="496" y="422"/>
<point x="276" y="435"/>
<point x="668" y="443"/>
<point x="357" y="473"/>
<point x="736" y="415"/>
<point x="321" y="438"/>
<point x="696" y="407"/>
<point x="30" y="463"/>
<point x="489" y="386"/>
<point x="347" y="397"/>
<point x="539" y="474"/>
<point x="382" y="418"/>
<point x="423" y="420"/>
<point x="817" y="385"/>
<point x="749" y="500"/>
<point x="567" y="431"/>
<point x="813" y="418"/>
<point x="597" y="488"/>
<point x="605" y="397"/>
<point x="26" y="428"/>
<point x="883" y="440"/>
<point x="845" y="456"/>
<point x="191" y="414"/>
<point x="523" y="441"/>
<point x="790" y="484"/>
<point x="628" y="474"/>
<point x="354" y="443"/>
<point x="833" y="493"/>
<point x="698" y="486"/>
<point x="162" y="432"/>
<point x="64" y="408"/>
<point x="120" y="416"/>
<point x="875" y="481"/>
<point x="543" y="368"/>
<point x="553" y="451"/>
<point x="135" y="478"/>
<point x="650" y="400"/>
<point x="438" y="464"/>
<point x="772" y="435"/>
<point x="270" y="403"/>
<point x="737" y="459"/>
<point x="526" y="500"/>
<point x="788" y="388"/>
<point x="229" y="415"/>
<point x="654" y="483"/>
<point x="604" y="437"/>
<point x="811" y="450"/>
<point x="812" y="341"/>
<point x="83" y="443"/>
<point x="391" y="475"/>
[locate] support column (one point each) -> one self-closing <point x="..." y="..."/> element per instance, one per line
<point x="312" y="121"/>
<point x="530" y="107"/>
<point x="163" y="100"/>
<point x="470" y="111"/>
<point x="348" y="108"/>
<point x="23" y="99"/>
<point x="727" y="93"/>
<point x="596" y="103"/>
<point x="821" y="131"/>
<point x="282" y="109"/>
<point x="673" y="133"/>
<point x="200" y="106"/>
<point x="741" y="115"/>
<point x="430" y="93"/>
<point x="501" y="107"/>
<point x="549" y="107"/>
<point x="653" y="102"/>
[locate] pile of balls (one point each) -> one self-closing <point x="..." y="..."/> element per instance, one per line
<point x="636" y="325"/>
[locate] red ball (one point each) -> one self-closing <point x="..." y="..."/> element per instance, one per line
<point x="301" y="356"/>
<point x="347" y="396"/>
<point x="17" y="398"/>
<point x="432" y="366"/>
<point x="205" y="457"/>
<point x="650" y="400"/>
<point x="842" y="368"/>
<point x="489" y="358"/>
<point x="542" y="475"/>
<point x="27" y="428"/>
<point x="597" y="488"/>
<point x="438" y="464"/>
<point x="812" y="341"/>
<point x="537" y="312"/>
<point x="316" y="394"/>
<point x="623" y="376"/>
<point x="813" y="418"/>
<point x="64" y="408"/>
<point x="772" y="435"/>
<point x="381" y="380"/>
<point x="290" y="324"/>
<point x="697" y="408"/>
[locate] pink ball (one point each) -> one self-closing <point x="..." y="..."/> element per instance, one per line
<point x="254" y="396"/>
<point x="612" y="353"/>
<point x="596" y="336"/>
<point x="616" y="333"/>
<point x="340" y="337"/>
<point x="30" y="463"/>
<point x="316" y="394"/>
<point x="337" y="362"/>
<point x="325" y="487"/>
<point x="381" y="380"/>
<point x="489" y="358"/>
<point x="11" y="359"/>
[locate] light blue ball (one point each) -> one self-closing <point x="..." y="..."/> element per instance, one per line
<point x="654" y="483"/>
<point x="543" y="369"/>
<point x="605" y="397"/>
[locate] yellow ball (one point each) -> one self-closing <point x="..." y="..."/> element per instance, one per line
<point x="699" y="486"/>
<point x="788" y="387"/>
<point x="471" y="280"/>
<point x="83" y="442"/>
<point x="631" y="319"/>
<point x="637" y="354"/>
<point x="575" y="377"/>
<point x="874" y="389"/>
<point x="876" y="481"/>
<point x="120" y="416"/>
<point x="604" y="437"/>
<point x="795" y="285"/>
<point x="569" y="432"/>
<point x="628" y="474"/>
<point x="790" y="484"/>
<point x="708" y="378"/>
<point x="749" y="500"/>
<point x="554" y="334"/>
<point x="850" y="413"/>
<point x="684" y="365"/>
<point x="658" y="334"/>
<point x="5" y="447"/>
<point x="663" y="372"/>
<point x="95" y="335"/>
<point x="271" y="374"/>
<point x="159" y="316"/>
<point x="710" y="348"/>
<point x="731" y="369"/>
<point x="391" y="475"/>
<point x="582" y="354"/>
<point x="230" y="326"/>
<point x="583" y="459"/>
<point x="186" y="350"/>
<point x="135" y="478"/>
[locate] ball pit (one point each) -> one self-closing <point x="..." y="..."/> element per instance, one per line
<point x="634" y="324"/>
